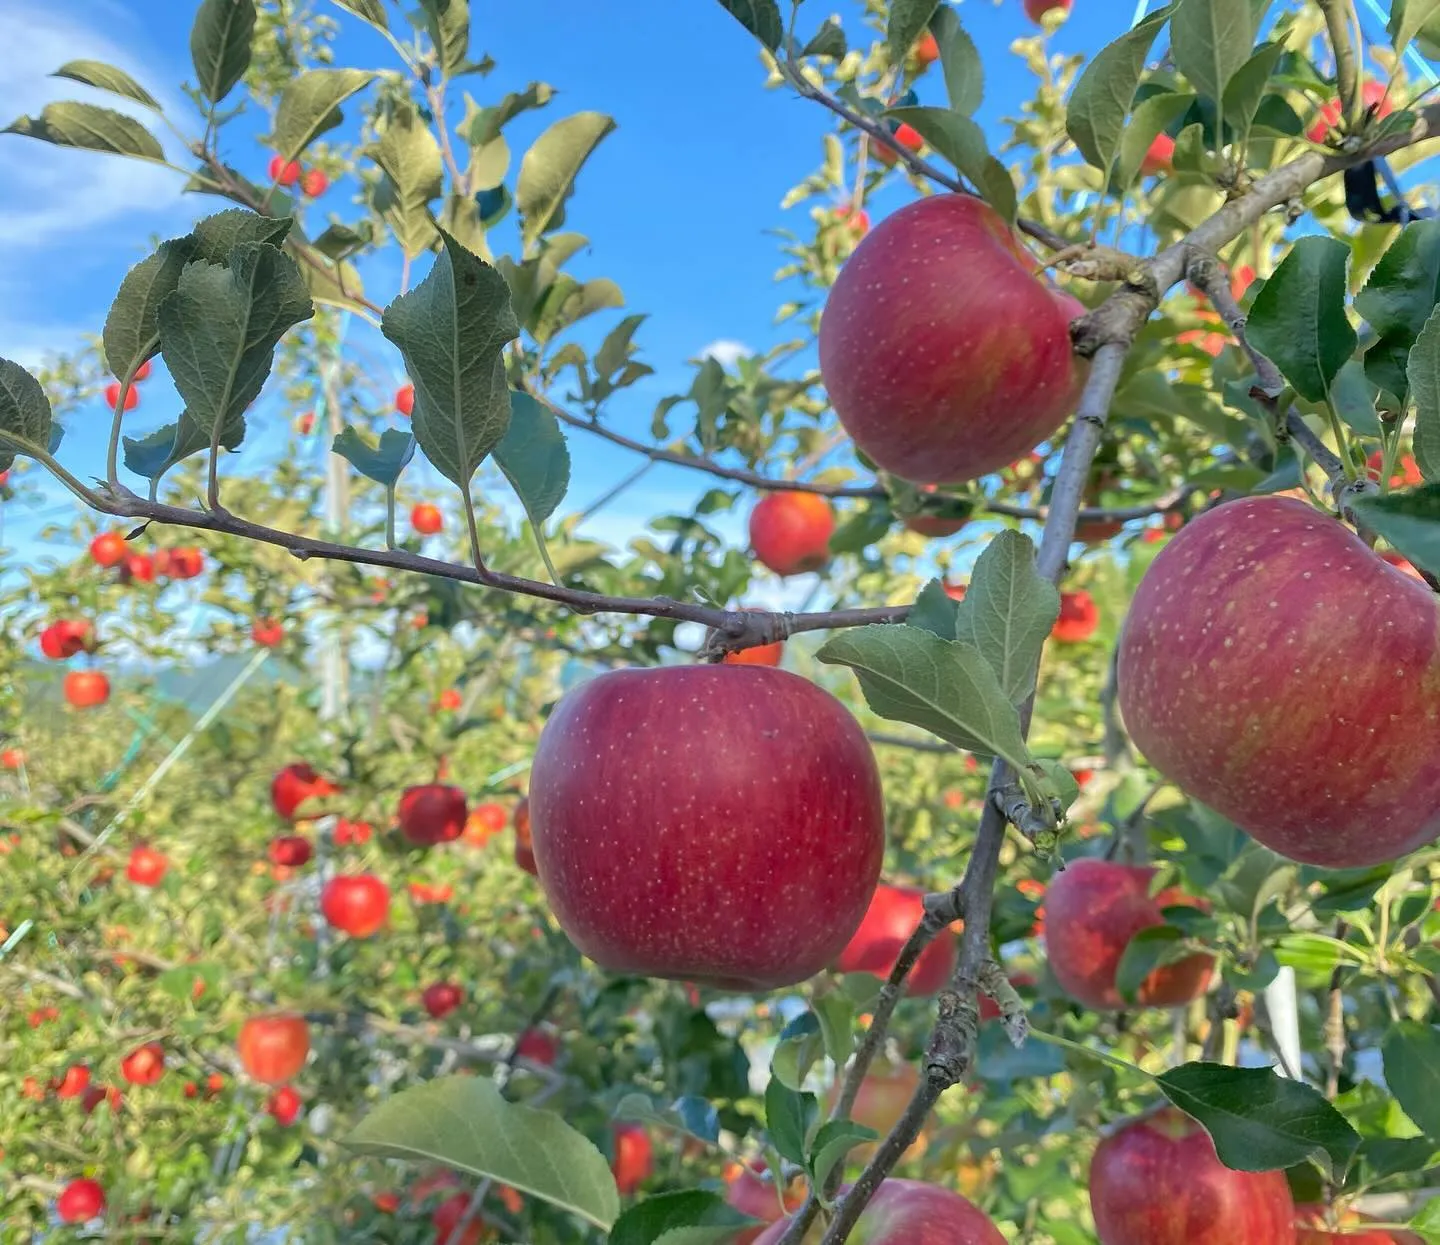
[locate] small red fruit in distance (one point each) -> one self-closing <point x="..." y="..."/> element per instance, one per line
<point x="12" y="758"/>
<point x="185" y="562"/>
<point x="891" y="918"/>
<point x="283" y="172"/>
<point x="84" y="689"/>
<point x="314" y="183"/>
<point x="790" y="532"/>
<point x="490" y="817"/>
<point x="146" y="867"/>
<point x="112" y="396"/>
<point x="1097" y="531"/>
<point x="634" y="1158"/>
<point x="305" y="425"/>
<point x="859" y="221"/>
<point x="386" y="1203"/>
<point x="405" y="400"/>
<point x="108" y="549"/>
<point x="290" y="849"/>
<point x="356" y="903"/>
<point x="1408" y="473"/>
<point x="432" y="813"/>
<point x="446" y="1220"/>
<point x="537" y="1046"/>
<point x="80" y="1201"/>
<point x="623" y="832"/>
<point x="272" y="1047"/>
<point x="450" y="699"/>
<point x="1035" y="10"/>
<point x="347" y="831"/>
<point x="944" y="355"/>
<point x="1373" y="93"/>
<point x="441" y="999"/>
<point x="144" y="1065"/>
<point x="140" y="566"/>
<point x="73" y="1083"/>
<point x="267" y="633"/>
<point x="906" y="136"/>
<point x="295" y="784"/>
<point x="426" y="519"/>
<point x="1079" y="617"/>
<point x="143" y="371"/>
<point x="1159" y="157"/>
<point x="927" y="51"/>
<point x="65" y="638"/>
<point x="284" y="1106"/>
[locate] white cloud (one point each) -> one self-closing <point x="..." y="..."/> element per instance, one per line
<point x="726" y="352"/>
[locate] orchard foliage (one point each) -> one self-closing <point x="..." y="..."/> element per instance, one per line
<point x="275" y="949"/>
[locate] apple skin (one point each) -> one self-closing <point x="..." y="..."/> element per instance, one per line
<point x="295" y="784"/>
<point x="1035" y="10"/>
<point x="1276" y="669"/>
<point x="944" y="356"/>
<point x="790" y="532"/>
<point x="713" y="824"/>
<point x="405" y="400"/>
<point x="1158" y="1182"/>
<point x="1160" y="157"/>
<point x="84" y="689"/>
<point x="634" y="1158"/>
<point x="426" y="519"/>
<point x="524" y="842"/>
<point x="891" y="918"/>
<point x="273" y="1047"/>
<point x="432" y="813"/>
<point x="1092" y="910"/>
<point x="267" y="633"/>
<point x="144" y="1065"/>
<point x="442" y="998"/>
<point x="357" y="903"/>
<point x="284" y="1106"/>
<point x="1310" y="1229"/>
<point x="752" y="1191"/>
<point x="146" y="867"/>
<point x="109" y="549"/>
<point x="909" y="1212"/>
<point x="1078" y="619"/>
<point x="80" y="1201"/>
<point x="906" y="136"/>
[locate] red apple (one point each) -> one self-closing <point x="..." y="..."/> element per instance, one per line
<point x="426" y="519"/>
<point x="273" y="1047"/>
<point x="284" y="1106"/>
<point x="284" y="172"/>
<point x="63" y="639"/>
<point x="956" y="592"/>
<point x="314" y="183"/>
<point x="450" y="699"/>
<point x="356" y="903"/>
<point x="142" y="372"/>
<point x="893" y="915"/>
<point x="945" y="357"/>
<point x="138" y="566"/>
<point x="442" y="998"/>
<point x="752" y="1191"/>
<point x="305" y="425"/>
<point x="537" y="1046"/>
<point x="524" y="843"/>
<point x="295" y="784"/>
<point x="446" y="1220"/>
<point x="144" y="1065"/>
<point x="1097" y="531"/>
<point x="1374" y="96"/>
<point x="146" y="867"/>
<point x="1079" y="617"/>
<point x="112" y="396"/>
<point x="884" y="1094"/>
<point x="267" y="633"/>
<point x="927" y="51"/>
<point x="634" y="1158"/>
<point x="432" y="813"/>
<point x="908" y="1212"/>
<point x="728" y="832"/>
<point x="80" y="1201"/>
<point x="84" y="689"/>
<point x="12" y="758"/>
<point x="483" y="824"/>
<point x="405" y="399"/>
<point x="291" y="850"/>
<point x="906" y="136"/>
<point x="108" y="549"/>
<point x="1158" y="1182"/>
<point x="1036" y="9"/>
<point x="859" y="221"/>
<point x="1318" y="1225"/>
<point x="1408" y="473"/>
<point x="185" y="562"/>
<point x="1092" y="910"/>
<point x="347" y="831"/>
<point x="72" y="1083"/>
<point x="790" y="532"/>
<point x="1159" y="156"/>
<point x="1275" y="668"/>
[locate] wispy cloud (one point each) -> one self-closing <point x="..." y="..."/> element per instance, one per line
<point x="726" y="352"/>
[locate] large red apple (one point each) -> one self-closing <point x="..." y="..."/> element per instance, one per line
<point x="1158" y="1182"/>
<point x="945" y="357"/>
<point x="432" y="813"/>
<point x="357" y="903"/>
<point x="714" y="824"/>
<point x="1317" y="1225"/>
<point x="790" y="532"/>
<point x="1276" y="669"/>
<point x="752" y="1191"/>
<point x="1092" y="910"/>
<point x="907" y="1212"/>
<point x="893" y="915"/>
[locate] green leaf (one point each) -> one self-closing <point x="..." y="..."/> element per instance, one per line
<point x="1408" y="18"/>
<point x="451" y="329"/>
<point x="945" y="687"/>
<point x="687" y="1114"/>
<point x="1008" y="611"/>
<point x="372" y="11"/>
<point x="962" y="142"/>
<point x="1402" y="291"/>
<point x="106" y="78"/>
<point x="834" y="1139"/>
<point x="1411" y="1053"/>
<point x="220" y="45"/>
<point x="935" y="611"/>
<point x="616" y="349"/>
<point x="382" y="463"/>
<point x="828" y="41"/>
<point x="800" y="1047"/>
<point x="1148" y="950"/>
<point x="534" y="457"/>
<point x="907" y="22"/>
<point x="409" y="156"/>
<point x="69" y="124"/>
<point x="219" y="328"/>
<point x="569" y="301"/>
<point x="1153" y="116"/>
<point x="960" y="61"/>
<point x="1422" y="370"/>
<point x="788" y="1116"/>
<point x="1247" y="88"/>
<point x="1210" y="41"/>
<point x="448" y="23"/>
<point x="710" y="1218"/>
<point x="1104" y="92"/>
<point x="1410" y="521"/>
<point x="153" y="455"/>
<point x="132" y="329"/>
<point x="548" y="171"/>
<point x="1354" y="396"/>
<point x="837" y="1026"/>
<point x="1299" y="318"/>
<point x="1259" y="1120"/>
<point x="463" y="1122"/>
<point x="216" y="237"/>
<point x="760" y="17"/>
<point x="310" y="105"/>
<point x="24" y="411"/>
<point x="339" y="242"/>
<point x="1426" y="1221"/>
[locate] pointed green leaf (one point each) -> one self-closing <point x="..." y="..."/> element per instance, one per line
<point x="1401" y="292"/>
<point x="1354" y="395"/>
<point x="219" y="328"/>
<point x="448" y="23"/>
<point x="960" y="61"/>
<point x="463" y="1122"/>
<point x="460" y="218"/>
<point x="1247" y="88"/>
<point x="935" y="611"/>
<point x="549" y="169"/>
<point x="1149" y="949"/>
<point x="310" y="105"/>
<point x="106" y="78"/>
<point x="760" y="17"/>
<point x="1104" y="92"/>
<point x="409" y="156"/>
<point x="132" y="329"/>
<point x="828" y="41"/>
<point x="687" y="1114"/>
<point x="153" y="455"/>
<point x="534" y="457"/>
<point x="1008" y="611"/>
<point x="800" y="1047"/>
<point x="1210" y="40"/>
<point x="220" y="45"/>
<point x="382" y="463"/>
<point x="962" y="142"/>
<point x="945" y="687"/>
<point x="24" y="411"/>
<point x="341" y="241"/>
<point x="1412" y="1072"/>
<point x="1410" y="521"/>
<point x="788" y="1116"/>
<point x="372" y="11"/>
<point x="834" y="1139"/>
<point x="1408" y="18"/>
<point x="482" y="125"/>
<point x="216" y="237"/>
<point x="70" y="124"/>
<point x="708" y="1216"/>
<point x="837" y="1026"/>
<point x="570" y="301"/>
<point x="1259" y="1120"/>
<point x="451" y="329"/>
<point x="1423" y="372"/>
<point x="616" y="349"/>
<point x="1152" y="117"/>
<point x="1299" y="319"/>
<point x="907" y="22"/>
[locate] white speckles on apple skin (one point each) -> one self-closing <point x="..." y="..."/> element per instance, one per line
<point x="729" y="831"/>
